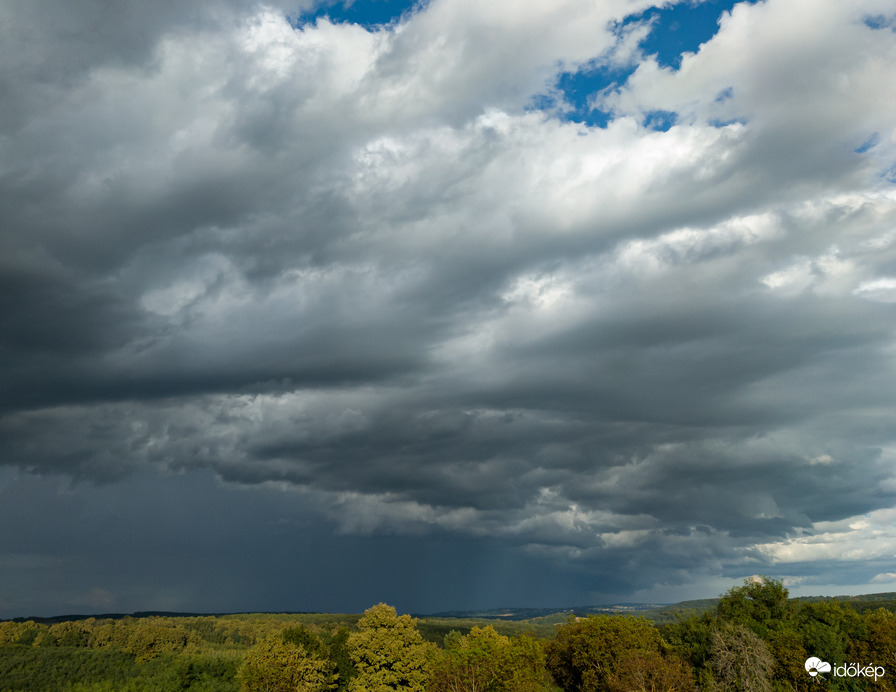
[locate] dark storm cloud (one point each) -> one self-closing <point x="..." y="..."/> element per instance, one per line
<point x="348" y="265"/>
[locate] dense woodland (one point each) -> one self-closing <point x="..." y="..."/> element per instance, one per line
<point x="754" y="638"/>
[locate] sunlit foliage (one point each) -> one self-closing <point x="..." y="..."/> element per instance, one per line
<point x="388" y="652"/>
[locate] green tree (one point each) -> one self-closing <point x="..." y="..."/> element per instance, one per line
<point x="586" y="652"/>
<point x="388" y="652"/>
<point x="690" y="637"/>
<point x="304" y="637"/>
<point x="23" y="633"/>
<point x="828" y="630"/>
<point x="148" y="637"/>
<point x="275" y="665"/>
<point x="337" y="649"/>
<point x="828" y="627"/>
<point x="112" y="634"/>
<point x="760" y="604"/>
<point x="878" y="647"/>
<point x="70" y="634"/>
<point x="787" y="647"/>
<point x="485" y="661"/>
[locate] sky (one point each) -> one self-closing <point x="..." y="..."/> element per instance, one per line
<point x="453" y="304"/>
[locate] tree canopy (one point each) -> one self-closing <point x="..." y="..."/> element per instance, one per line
<point x="586" y="652"/>
<point x="485" y="661"/>
<point x="279" y="664"/>
<point x="388" y="652"/>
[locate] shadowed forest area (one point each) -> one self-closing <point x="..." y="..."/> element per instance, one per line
<point x="754" y="638"/>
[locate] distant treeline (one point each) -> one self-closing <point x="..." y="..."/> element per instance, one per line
<point x="754" y="638"/>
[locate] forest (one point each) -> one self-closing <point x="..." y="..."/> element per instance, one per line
<point x="754" y="638"/>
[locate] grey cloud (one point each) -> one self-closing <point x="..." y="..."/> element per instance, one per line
<point x="240" y="249"/>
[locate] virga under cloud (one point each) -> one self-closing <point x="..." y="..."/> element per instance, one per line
<point x="391" y="279"/>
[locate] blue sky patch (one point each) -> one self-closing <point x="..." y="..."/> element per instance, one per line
<point x="578" y="90"/>
<point x="659" y="120"/>
<point x="675" y="30"/>
<point x="718" y="122"/>
<point x="366" y="13"/>
<point x="880" y="22"/>
<point x="724" y="95"/>
<point x="890" y="174"/>
<point x="681" y="28"/>
<point x="869" y="143"/>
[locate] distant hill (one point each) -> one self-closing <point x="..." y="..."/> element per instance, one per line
<point x="538" y="613"/>
<point x="864" y="598"/>
<point x="658" y="612"/>
<point x="148" y="614"/>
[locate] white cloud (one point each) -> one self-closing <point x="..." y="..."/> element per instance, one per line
<point x="855" y="539"/>
<point x="541" y="292"/>
<point x="777" y="65"/>
<point x="880" y="290"/>
<point x="460" y="54"/>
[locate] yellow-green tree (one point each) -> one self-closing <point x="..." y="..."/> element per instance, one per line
<point x="388" y="652"/>
<point x="275" y="665"/>
<point x="651" y="671"/>
<point x="70" y="634"/>
<point x="147" y="638"/>
<point x="586" y="653"/>
<point x="19" y="632"/>
<point x="485" y="661"/>
<point x="878" y="648"/>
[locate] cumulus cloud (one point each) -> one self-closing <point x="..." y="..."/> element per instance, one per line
<point x="356" y="264"/>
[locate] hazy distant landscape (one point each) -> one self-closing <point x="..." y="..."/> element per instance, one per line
<point x="654" y="611"/>
<point x="651" y="611"/>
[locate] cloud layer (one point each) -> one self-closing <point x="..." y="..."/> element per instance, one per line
<point x="359" y="266"/>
